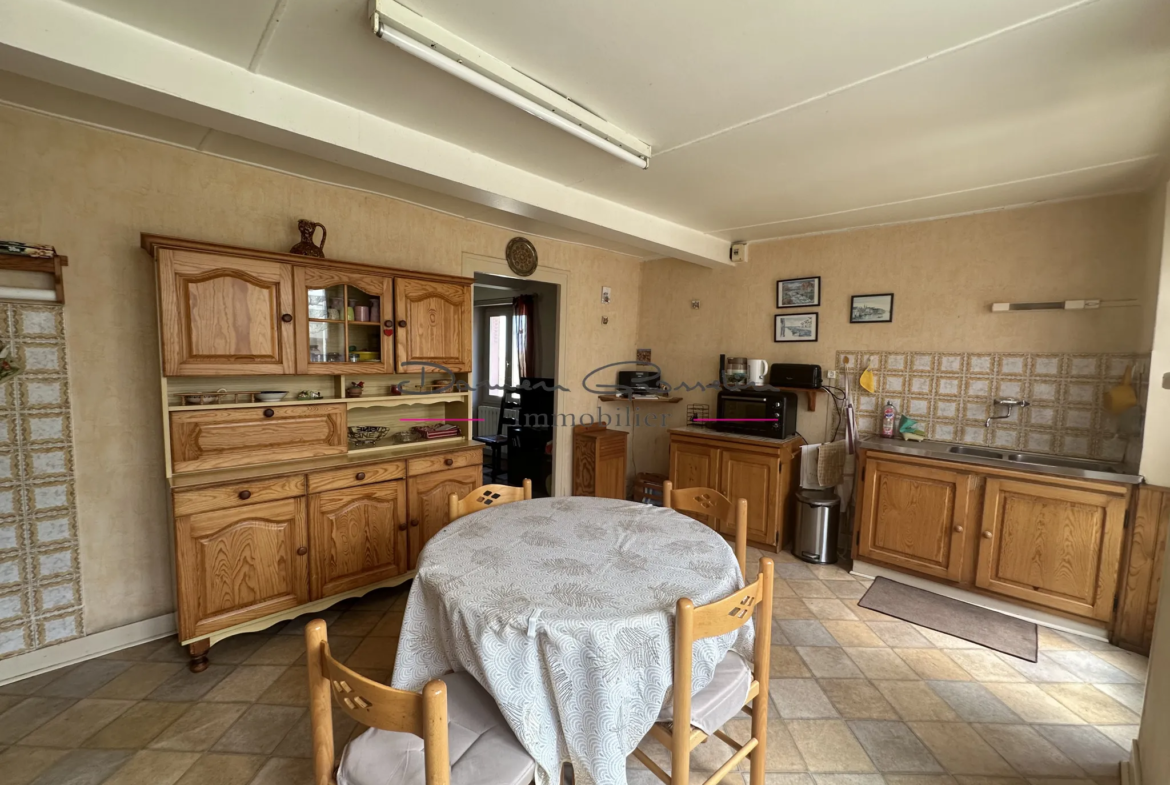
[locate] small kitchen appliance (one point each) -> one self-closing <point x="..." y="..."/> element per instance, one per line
<point x="757" y="373"/>
<point x="795" y="375"/>
<point x="757" y="413"/>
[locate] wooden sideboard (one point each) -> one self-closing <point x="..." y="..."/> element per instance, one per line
<point x="764" y="471"/>
<point x="599" y="461"/>
<point x="1055" y="543"/>
<point x="274" y="513"/>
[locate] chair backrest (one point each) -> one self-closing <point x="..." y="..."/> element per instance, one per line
<point x="710" y="621"/>
<point x="487" y="496"/>
<point x="374" y="705"/>
<point x="710" y="502"/>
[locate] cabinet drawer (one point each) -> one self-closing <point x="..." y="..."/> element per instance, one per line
<point x="223" y="438"/>
<point x="219" y="497"/>
<point x="443" y="461"/>
<point x="353" y="476"/>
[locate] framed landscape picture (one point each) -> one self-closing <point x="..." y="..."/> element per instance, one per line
<point x="798" y="293"/>
<point x="796" y="327"/>
<point x="871" y="308"/>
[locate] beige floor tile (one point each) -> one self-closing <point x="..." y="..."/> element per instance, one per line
<point x="374" y="653"/>
<point x="291" y="688"/>
<point x="359" y="623"/>
<point x="881" y="664"/>
<point x="1131" y="696"/>
<point x="892" y="746"/>
<point x="1134" y="664"/>
<point x="900" y="635"/>
<point x="811" y="589"/>
<point x="831" y="572"/>
<point x="984" y="665"/>
<point x="933" y="664"/>
<point x="259" y="729"/>
<point x="139" y="653"/>
<point x="83" y="767"/>
<point x="238" y="648"/>
<point x="390" y="625"/>
<point x="828" y="745"/>
<point x="138" y="681"/>
<point x="1051" y="640"/>
<point x="856" y="634"/>
<point x="1122" y="735"/>
<point x="960" y="749"/>
<point x="280" y="650"/>
<point x="799" y="699"/>
<point x="865" y="614"/>
<point x="1028" y="752"/>
<point x="1091" y="704"/>
<point x="222" y="769"/>
<point x="781" y="590"/>
<point x="829" y="609"/>
<point x="829" y="662"/>
<point x="82" y="680"/>
<point x="138" y="726"/>
<point x="28" y="715"/>
<point x="857" y="699"/>
<point x="915" y="701"/>
<point x="784" y="663"/>
<point x="33" y="683"/>
<point x="285" y="771"/>
<point x="8" y="701"/>
<point x="791" y="609"/>
<point x="77" y="723"/>
<point x="922" y="779"/>
<point x="151" y="767"/>
<point x="199" y="728"/>
<point x="246" y="683"/>
<point x="943" y="641"/>
<point x="1033" y="704"/>
<point x="1086" y="746"/>
<point x="22" y="765"/>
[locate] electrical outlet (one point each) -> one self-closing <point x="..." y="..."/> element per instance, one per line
<point x="831" y="375"/>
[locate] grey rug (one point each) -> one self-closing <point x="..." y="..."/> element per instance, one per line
<point x="962" y="620"/>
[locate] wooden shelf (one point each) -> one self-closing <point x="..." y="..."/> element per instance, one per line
<point x="812" y="395"/>
<point x="611" y="398"/>
<point x="409" y="399"/>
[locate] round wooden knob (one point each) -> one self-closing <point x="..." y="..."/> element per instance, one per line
<point x="301" y="551"/>
<point x="388" y="323"/>
<point x="402" y="527"/>
<point x="987" y="535"/>
<point x="286" y="318"/>
<point x="401" y="322"/>
<point x="360" y="476"/>
<point x="269" y="412"/>
<point x="449" y="462"/>
<point x="245" y="494"/>
<point x="414" y="523"/>
<point x="958" y="529"/>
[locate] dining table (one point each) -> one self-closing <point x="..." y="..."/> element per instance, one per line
<point x="563" y="610"/>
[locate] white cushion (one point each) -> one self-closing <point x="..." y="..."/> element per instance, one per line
<point x="481" y="746"/>
<point x="721" y="700"/>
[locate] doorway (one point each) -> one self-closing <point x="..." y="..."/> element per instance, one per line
<point x="515" y="346"/>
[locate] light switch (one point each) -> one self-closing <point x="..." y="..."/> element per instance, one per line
<point x="1166" y="381"/>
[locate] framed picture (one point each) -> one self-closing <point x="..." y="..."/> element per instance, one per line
<point x="796" y="327"/>
<point x="871" y="308"/>
<point x="798" y="293"/>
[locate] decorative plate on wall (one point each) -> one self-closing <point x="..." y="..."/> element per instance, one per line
<point x="521" y="256"/>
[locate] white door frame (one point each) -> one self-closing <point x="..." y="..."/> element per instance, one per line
<point x="562" y="443"/>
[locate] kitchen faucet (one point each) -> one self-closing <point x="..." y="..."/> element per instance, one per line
<point x="1010" y="403"/>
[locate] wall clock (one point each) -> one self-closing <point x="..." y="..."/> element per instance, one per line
<point x="521" y="256"/>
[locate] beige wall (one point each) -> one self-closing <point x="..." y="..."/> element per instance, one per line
<point x="944" y="274"/>
<point x="90" y="193"/>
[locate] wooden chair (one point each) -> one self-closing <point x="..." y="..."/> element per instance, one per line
<point x="674" y="728"/>
<point x="710" y="502"/>
<point x="487" y="496"/>
<point x="389" y="752"/>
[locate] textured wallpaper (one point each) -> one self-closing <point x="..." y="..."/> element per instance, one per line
<point x="40" y="578"/>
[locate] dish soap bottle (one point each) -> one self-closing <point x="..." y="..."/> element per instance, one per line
<point x="889" y="415"/>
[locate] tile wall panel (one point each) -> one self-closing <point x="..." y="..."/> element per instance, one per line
<point x="40" y="581"/>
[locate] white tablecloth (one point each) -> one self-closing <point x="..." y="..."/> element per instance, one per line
<point x="563" y="609"/>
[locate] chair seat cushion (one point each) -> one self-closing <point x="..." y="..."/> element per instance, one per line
<point x="482" y="749"/>
<point x="721" y="700"/>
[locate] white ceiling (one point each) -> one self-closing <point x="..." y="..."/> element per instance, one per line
<point x="768" y="118"/>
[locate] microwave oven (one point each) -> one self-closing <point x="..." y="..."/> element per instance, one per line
<point x="757" y="413"/>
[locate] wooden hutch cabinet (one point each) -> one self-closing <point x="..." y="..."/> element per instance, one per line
<point x="275" y="512"/>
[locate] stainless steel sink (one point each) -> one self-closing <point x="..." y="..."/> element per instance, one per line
<point x="1063" y="463"/>
<point x="977" y="452"/>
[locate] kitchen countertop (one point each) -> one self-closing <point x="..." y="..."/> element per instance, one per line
<point x="1087" y="469"/>
<point x="695" y="430"/>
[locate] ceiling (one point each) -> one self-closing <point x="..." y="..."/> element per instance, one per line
<point x="767" y="118"/>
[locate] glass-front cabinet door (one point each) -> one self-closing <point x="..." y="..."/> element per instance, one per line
<point x="344" y="322"/>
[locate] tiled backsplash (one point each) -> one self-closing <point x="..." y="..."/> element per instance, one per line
<point x="951" y="393"/>
<point x="40" y="578"/>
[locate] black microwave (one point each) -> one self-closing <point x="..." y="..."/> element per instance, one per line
<point x="757" y="413"/>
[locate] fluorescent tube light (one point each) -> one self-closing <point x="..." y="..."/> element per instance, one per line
<point x="475" y="78"/>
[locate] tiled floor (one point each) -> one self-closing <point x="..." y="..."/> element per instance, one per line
<point x="857" y="699"/>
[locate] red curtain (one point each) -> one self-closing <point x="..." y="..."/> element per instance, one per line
<point x="524" y="322"/>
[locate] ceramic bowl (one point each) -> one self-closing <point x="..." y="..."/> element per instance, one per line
<point x="365" y="435"/>
<point x="271" y="396"/>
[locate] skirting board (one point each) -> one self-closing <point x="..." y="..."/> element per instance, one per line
<point x="77" y="650"/>
<point x="870" y="570"/>
<point x="1131" y="770"/>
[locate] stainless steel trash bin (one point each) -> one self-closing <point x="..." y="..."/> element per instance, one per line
<point x="818" y="518"/>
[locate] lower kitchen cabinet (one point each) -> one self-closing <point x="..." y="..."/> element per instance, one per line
<point x="358" y="537"/>
<point x="240" y="564"/>
<point x="695" y="465"/>
<point x="428" y="502"/>
<point x="753" y="476"/>
<point x="1054" y="546"/>
<point x="915" y="517"/>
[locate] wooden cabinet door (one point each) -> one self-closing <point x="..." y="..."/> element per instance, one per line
<point x="756" y="477"/>
<point x="914" y="516"/>
<point x="357" y="536"/>
<point x="330" y="329"/>
<point x="427" y="502"/>
<point x="695" y="466"/>
<point x="1055" y="546"/>
<point x="433" y="325"/>
<point x="222" y="438"/>
<point x="238" y="564"/>
<point x="225" y="316"/>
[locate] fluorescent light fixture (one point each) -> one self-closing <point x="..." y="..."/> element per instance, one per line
<point x="433" y="44"/>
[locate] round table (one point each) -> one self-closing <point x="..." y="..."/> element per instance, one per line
<point x="563" y="610"/>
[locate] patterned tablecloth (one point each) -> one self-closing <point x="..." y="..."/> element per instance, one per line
<point x="563" y="609"/>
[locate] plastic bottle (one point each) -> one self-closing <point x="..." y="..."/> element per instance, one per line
<point x="889" y="415"/>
